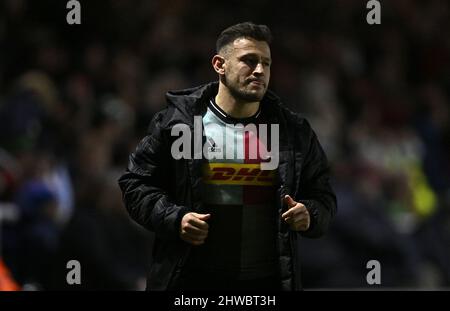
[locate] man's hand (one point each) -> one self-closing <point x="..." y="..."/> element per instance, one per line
<point x="297" y="216"/>
<point x="194" y="228"/>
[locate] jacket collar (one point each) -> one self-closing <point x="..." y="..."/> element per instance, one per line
<point x="193" y="101"/>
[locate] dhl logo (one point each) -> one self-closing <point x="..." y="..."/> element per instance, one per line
<point x="237" y="174"/>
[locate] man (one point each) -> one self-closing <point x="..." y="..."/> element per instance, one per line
<point x="224" y="218"/>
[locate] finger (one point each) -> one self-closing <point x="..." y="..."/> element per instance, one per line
<point x="289" y="213"/>
<point x="203" y="217"/>
<point x="289" y="201"/>
<point x="195" y="231"/>
<point x="298" y="209"/>
<point x="300" y="218"/>
<point x="303" y="216"/>
<point x="289" y="220"/>
<point x="196" y="222"/>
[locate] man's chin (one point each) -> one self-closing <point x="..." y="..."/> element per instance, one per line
<point x="248" y="95"/>
<point x="253" y="96"/>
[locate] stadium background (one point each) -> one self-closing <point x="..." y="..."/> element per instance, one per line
<point x="76" y="99"/>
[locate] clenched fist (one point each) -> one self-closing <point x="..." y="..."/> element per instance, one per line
<point x="194" y="228"/>
<point x="297" y="216"/>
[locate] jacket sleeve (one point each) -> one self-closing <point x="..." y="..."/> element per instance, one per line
<point x="143" y="188"/>
<point x="315" y="190"/>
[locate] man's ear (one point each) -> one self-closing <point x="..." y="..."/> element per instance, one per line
<point x="218" y="63"/>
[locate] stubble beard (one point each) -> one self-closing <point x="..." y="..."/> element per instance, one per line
<point x="241" y="94"/>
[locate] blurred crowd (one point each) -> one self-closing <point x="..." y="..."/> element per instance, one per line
<point x="76" y="99"/>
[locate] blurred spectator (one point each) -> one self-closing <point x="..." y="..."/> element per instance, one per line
<point x="107" y="244"/>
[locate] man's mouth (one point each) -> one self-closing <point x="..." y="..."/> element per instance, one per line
<point x="257" y="82"/>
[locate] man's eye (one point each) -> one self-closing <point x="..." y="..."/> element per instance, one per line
<point x="250" y="61"/>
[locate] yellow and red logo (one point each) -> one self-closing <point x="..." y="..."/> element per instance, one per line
<point x="237" y="174"/>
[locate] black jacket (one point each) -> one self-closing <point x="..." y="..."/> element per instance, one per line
<point x="159" y="190"/>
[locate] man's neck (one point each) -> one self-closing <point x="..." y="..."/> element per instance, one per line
<point x="234" y="107"/>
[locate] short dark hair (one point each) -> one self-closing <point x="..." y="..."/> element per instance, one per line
<point x="243" y="30"/>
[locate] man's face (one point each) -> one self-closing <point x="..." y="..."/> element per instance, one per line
<point x="247" y="69"/>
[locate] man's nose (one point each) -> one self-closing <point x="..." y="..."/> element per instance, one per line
<point x="259" y="69"/>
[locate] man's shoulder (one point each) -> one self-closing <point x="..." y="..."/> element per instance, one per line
<point x="193" y="94"/>
<point x="293" y="118"/>
<point x="165" y="119"/>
